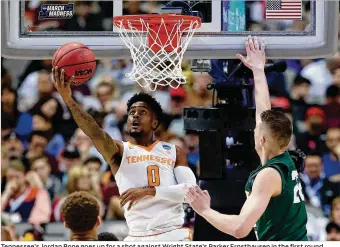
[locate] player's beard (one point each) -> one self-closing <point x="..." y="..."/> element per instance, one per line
<point x="135" y="134"/>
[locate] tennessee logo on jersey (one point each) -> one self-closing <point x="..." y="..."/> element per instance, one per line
<point x="149" y="157"/>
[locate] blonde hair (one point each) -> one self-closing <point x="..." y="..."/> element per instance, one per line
<point x="335" y="202"/>
<point x="74" y="174"/>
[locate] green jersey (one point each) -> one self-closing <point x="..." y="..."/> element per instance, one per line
<point x="285" y="217"/>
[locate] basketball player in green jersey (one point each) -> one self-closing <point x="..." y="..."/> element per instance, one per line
<point x="275" y="202"/>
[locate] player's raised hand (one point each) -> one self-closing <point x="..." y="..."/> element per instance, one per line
<point x="256" y="57"/>
<point x="60" y="84"/>
<point x="198" y="199"/>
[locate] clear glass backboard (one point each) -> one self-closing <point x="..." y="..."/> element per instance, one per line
<point x="35" y="29"/>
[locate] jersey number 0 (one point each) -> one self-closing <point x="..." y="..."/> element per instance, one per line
<point x="153" y="175"/>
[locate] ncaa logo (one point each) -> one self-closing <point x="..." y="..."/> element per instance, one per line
<point x="166" y="147"/>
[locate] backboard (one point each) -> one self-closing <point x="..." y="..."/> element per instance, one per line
<point x="32" y="30"/>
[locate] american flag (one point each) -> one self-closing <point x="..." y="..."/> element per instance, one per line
<point x="283" y="10"/>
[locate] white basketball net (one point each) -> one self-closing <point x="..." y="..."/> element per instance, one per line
<point x="161" y="67"/>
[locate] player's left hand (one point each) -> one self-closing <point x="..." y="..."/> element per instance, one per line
<point x="256" y="57"/>
<point x="198" y="199"/>
<point x="135" y="194"/>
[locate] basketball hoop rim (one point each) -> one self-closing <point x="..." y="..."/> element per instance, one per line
<point x="155" y="20"/>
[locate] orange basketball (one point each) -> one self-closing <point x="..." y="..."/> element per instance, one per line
<point x="76" y="59"/>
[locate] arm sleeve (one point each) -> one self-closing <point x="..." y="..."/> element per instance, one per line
<point x="185" y="178"/>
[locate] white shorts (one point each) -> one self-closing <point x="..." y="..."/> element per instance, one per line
<point x="181" y="234"/>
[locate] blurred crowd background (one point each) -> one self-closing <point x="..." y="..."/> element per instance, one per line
<point x="45" y="156"/>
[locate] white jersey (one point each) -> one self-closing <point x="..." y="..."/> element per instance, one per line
<point x="149" y="166"/>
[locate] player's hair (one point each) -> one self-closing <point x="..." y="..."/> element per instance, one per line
<point x="279" y="125"/>
<point x="80" y="211"/>
<point x="107" y="236"/>
<point x="148" y="99"/>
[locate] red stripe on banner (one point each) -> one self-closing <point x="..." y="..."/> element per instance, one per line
<point x="284" y="18"/>
<point x="286" y="10"/>
<point x="283" y="15"/>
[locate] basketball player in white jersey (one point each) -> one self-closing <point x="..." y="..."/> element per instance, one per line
<point x="151" y="175"/>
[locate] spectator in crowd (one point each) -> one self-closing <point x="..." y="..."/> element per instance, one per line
<point x="333" y="232"/>
<point x="84" y="19"/>
<point x="331" y="160"/>
<point x="133" y="8"/>
<point x="4" y="165"/>
<point x="41" y="122"/>
<point x="50" y="182"/>
<point x="105" y="93"/>
<point x="108" y="188"/>
<point x="52" y="109"/>
<point x="69" y="157"/>
<point x="318" y="190"/>
<point x="93" y="164"/>
<point x="86" y="149"/>
<point x="6" y="77"/>
<point x="12" y="145"/>
<point x="107" y="236"/>
<point x="78" y="180"/>
<point x="192" y="142"/>
<point x="199" y="95"/>
<point x="36" y="86"/>
<point x="37" y="145"/>
<point x="11" y="117"/>
<point x="298" y="95"/>
<point x="80" y="211"/>
<point x="34" y="66"/>
<point x="332" y="106"/>
<point x="335" y="211"/>
<point x="313" y="138"/>
<point x="319" y="74"/>
<point x="114" y="210"/>
<point x="173" y="121"/>
<point x="24" y="202"/>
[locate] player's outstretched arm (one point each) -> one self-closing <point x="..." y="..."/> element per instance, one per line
<point x="256" y="60"/>
<point x="185" y="179"/>
<point x="101" y="140"/>
<point x="266" y="185"/>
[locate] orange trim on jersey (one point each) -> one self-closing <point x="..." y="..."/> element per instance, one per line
<point x="149" y="148"/>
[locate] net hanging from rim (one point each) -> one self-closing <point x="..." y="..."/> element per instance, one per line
<point x="157" y="43"/>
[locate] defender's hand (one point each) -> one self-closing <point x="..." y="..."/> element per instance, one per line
<point x="256" y="57"/>
<point x="59" y="82"/>
<point x="135" y="194"/>
<point x="198" y="199"/>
